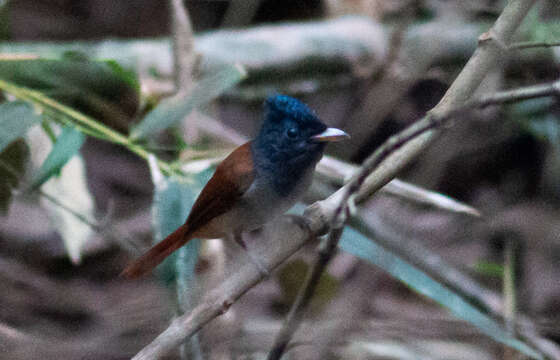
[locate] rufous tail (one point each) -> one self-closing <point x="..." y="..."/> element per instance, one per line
<point x="145" y="263"/>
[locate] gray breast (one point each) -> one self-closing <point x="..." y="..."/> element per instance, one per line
<point x="265" y="203"/>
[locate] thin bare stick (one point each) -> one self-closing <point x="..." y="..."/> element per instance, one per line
<point x="183" y="47"/>
<point x="509" y="96"/>
<point x="338" y="172"/>
<point x="533" y="44"/>
<point x="435" y="119"/>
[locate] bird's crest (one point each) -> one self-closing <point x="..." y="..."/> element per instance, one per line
<point x="279" y="106"/>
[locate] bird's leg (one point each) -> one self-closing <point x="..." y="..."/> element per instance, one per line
<point x="256" y="261"/>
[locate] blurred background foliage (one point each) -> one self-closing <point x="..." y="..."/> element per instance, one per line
<point x="89" y="103"/>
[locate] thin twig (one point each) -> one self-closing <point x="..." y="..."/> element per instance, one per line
<point x="338" y="172"/>
<point x="84" y="219"/>
<point x="533" y="44"/>
<point x="183" y="46"/>
<point x="509" y="96"/>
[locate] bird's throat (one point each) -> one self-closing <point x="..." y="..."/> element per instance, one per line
<point x="287" y="173"/>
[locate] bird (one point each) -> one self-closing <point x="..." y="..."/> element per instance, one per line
<point x="257" y="182"/>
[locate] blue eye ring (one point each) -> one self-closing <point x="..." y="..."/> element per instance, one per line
<point x="291" y="133"/>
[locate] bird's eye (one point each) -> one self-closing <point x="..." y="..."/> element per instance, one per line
<point x="292" y="133"/>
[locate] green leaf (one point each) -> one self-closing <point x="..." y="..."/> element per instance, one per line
<point x="127" y="75"/>
<point x="173" y="110"/>
<point x="67" y="145"/>
<point x="15" y="119"/>
<point x="172" y="202"/>
<point x="173" y="199"/>
<point x="94" y="88"/>
<point x="366" y="249"/>
<point x="12" y="166"/>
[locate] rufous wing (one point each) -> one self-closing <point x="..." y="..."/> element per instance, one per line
<point x="233" y="176"/>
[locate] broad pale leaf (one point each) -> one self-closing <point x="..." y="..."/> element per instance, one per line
<point x="68" y="196"/>
<point x="16" y="118"/>
<point x="171" y="111"/>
